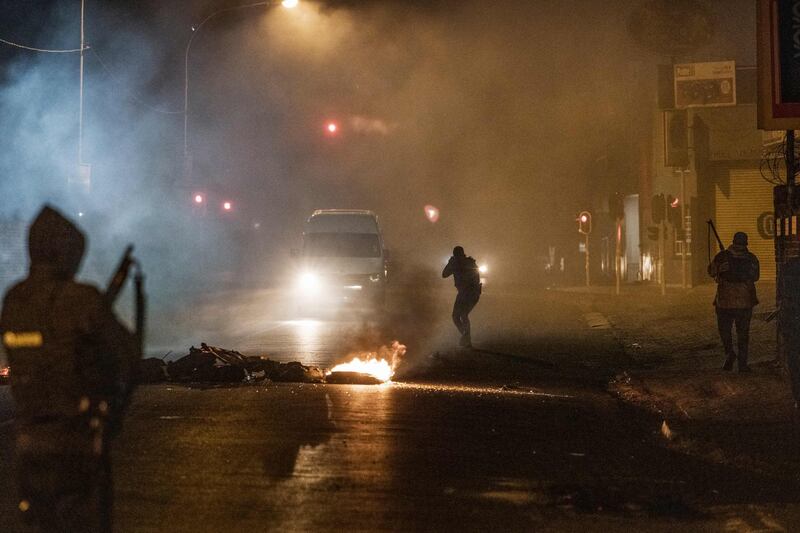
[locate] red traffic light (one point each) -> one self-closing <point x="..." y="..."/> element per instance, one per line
<point x="331" y="128"/>
<point x="432" y="213"/>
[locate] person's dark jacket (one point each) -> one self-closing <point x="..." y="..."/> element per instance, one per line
<point x="465" y="273"/>
<point x="63" y="342"/>
<point x="736" y="270"/>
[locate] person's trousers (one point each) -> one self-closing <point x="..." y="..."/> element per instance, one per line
<point x="62" y="485"/>
<point x="726" y="319"/>
<point x="465" y="302"/>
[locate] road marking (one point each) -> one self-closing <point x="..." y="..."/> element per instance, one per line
<point x="480" y="390"/>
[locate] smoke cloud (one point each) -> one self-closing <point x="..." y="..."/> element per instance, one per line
<point x="493" y="112"/>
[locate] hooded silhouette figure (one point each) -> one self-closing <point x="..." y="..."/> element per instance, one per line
<point x="68" y="354"/>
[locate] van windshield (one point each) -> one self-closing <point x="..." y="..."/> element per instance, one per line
<point x="341" y="245"/>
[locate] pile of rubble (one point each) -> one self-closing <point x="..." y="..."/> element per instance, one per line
<point x="209" y="364"/>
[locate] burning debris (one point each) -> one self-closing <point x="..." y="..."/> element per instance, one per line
<point x="379" y="369"/>
<point x="209" y="364"/>
<point x="375" y="367"/>
<point x="352" y="378"/>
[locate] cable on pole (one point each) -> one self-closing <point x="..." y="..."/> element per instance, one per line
<point x="773" y="163"/>
<point x="44" y="50"/>
<point x="130" y="93"/>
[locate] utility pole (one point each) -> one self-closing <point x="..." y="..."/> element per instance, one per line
<point x="683" y="228"/>
<point x="617" y="255"/>
<point x="585" y="228"/>
<point x="587" y="259"/>
<point x="80" y="110"/>
<point x="662" y="241"/>
<point x="786" y="259"/>
<point x="84" y="171"/>
<point x="187" y="156"/>
<point x="662" y="277"/>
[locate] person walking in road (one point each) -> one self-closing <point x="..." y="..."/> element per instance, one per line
<point x="736" y="270"/>
<point x="467" y="279"/>
<point x="70" y="357"/>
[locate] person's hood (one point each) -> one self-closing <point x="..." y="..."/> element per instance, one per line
<point x="738" y="249"/>
<point x="55" y="243"/>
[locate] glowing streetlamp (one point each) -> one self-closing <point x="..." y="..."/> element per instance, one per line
<point x="288" y="4"/>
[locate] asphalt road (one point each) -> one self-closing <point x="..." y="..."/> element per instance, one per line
<point x="517" y="434"/>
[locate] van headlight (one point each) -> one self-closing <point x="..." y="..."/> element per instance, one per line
<point x="309" y="282"/>
<point x="374" y="278"/>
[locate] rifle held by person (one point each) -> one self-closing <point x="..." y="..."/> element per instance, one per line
<point x="714" y="229"/>
<point x="114" y="288"/>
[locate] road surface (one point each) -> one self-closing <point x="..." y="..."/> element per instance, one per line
<point x="515" y="435"/>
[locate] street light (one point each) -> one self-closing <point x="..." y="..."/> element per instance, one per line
<point x="288" y="4"/>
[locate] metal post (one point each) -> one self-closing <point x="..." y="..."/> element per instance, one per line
<point x="587" y="259"/>
<point x="662" y="237"/>
<point x="790" y="163"/>
<point x="195" y="31"/>
<point x="617" y="258"/>
<point x="80" y="107"/>
<point x="186" y="111"/>
<point x="683" y="228"/>
<point x="782" y="349"/>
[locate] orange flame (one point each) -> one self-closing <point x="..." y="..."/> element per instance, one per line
<point x="375" y="364"/>
<point x="380" y="369"/>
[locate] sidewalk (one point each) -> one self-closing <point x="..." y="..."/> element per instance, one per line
<point x="673" y="371"/>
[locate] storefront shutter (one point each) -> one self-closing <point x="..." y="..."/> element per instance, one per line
<point x="748" y="207"/>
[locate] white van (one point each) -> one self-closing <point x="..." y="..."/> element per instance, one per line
<point x="343" y="259"/>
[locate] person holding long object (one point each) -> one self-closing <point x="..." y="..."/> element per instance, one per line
<point x="735" y="270"/>
<point x="72" y="369"/>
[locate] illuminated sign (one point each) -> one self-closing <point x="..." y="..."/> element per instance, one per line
<point x="705" y="84"/>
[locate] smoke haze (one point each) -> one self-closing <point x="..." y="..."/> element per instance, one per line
<point x="493" y="112"/>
